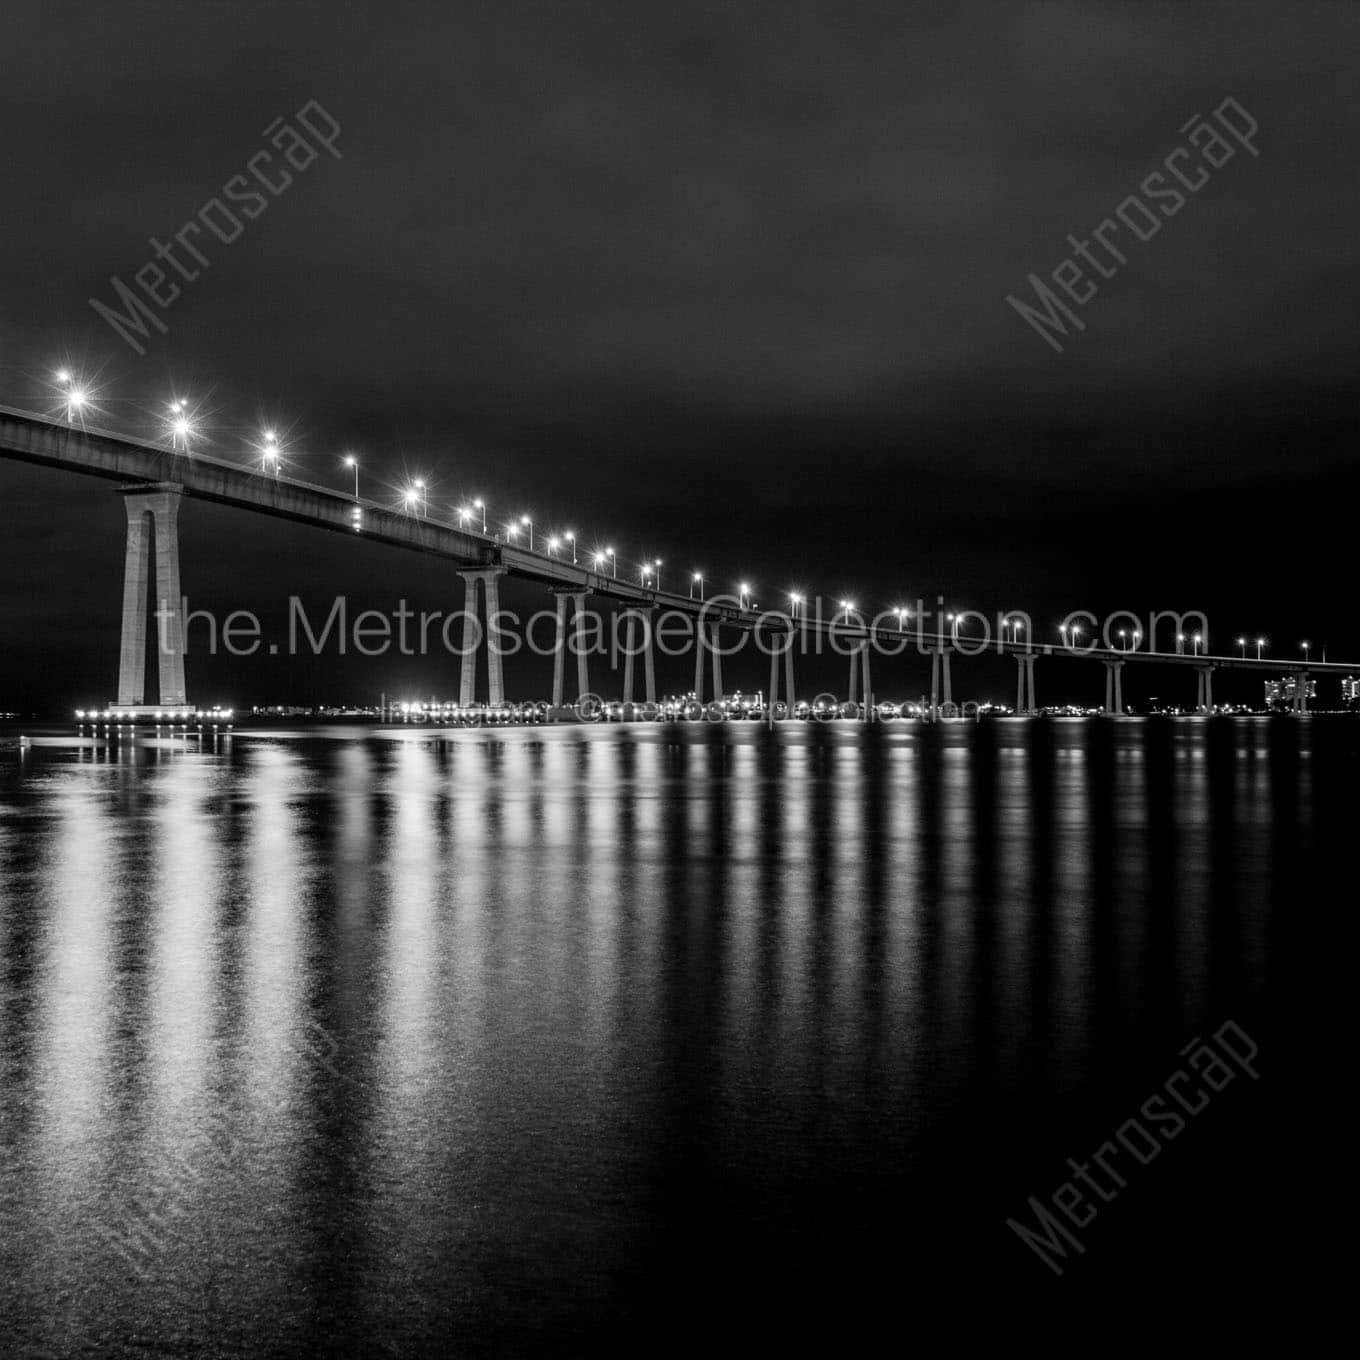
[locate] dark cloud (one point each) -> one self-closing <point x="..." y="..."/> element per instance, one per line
<point x="642" y="264"/>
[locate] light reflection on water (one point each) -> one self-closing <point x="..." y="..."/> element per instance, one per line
<point x="405" y="1041"/>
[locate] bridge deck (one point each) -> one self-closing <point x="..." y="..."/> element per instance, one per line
<point x="29" y="437"/>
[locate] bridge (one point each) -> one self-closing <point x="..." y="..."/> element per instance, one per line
<point x="153" y="480"/>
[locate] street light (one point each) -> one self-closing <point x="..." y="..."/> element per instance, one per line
<point x="901" y="611"/>
<point x="1180" y="643"/>
<point x="658" y="573"/>
<point x="352" y="462"/>
<point x="1199" y="638"/>
<point x="1304" y="645"/>
<point x="744" y="594"/>
<point x="795" y="604"/>
<point x="75" y="396"/>
<point x="269" y="451"/>
<point x="613" y="562"/>
<point x="481" y="505"/>
<point x="1242" y="643"/>
<point x="571" y="538"/>
<point x="1123" y="639"/>
<point x="424" y="500"/>
<point x="181" y="427"/>
<point x="410" y="498"/>
<point x="1260" y="642"/>
<point x="847" y="606"/>
<point x="696" y="582"/>
<point x="529" y="524"/>
<point x="552" y="545"/>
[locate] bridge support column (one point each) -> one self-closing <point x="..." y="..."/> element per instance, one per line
<point x="786" y="652"/>
<point x="716" y="653"/>
<point x="582" y="660"/>
<point x="560" y="651"/>
<point x="648" y="657"/>
<point x="939" y="671"/>
<point x="700" y="630"/>
<point x="629" y="646"/>
<point x="1026" y="705"/>
<point x="1205" y="697"/>
<point x="636" y="616"/>
<point x="152" y="511"/>
<point x="1114" y="688"/>
<point x="489" y="577"/>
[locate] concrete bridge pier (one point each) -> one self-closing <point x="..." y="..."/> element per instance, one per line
<point x="489" y="578"/>
<point x="1026" y="705"/>
<point x="636" y="616"/>
<point x="939" y="669"/>
<point x="706" y="639"/>
<point x="1204" y="699"/>
<point x="152" y="511"/>
<point x="786" y="652"/>
<point x="578" y="604"/>
<point x="859" y="670"/>
<point x="1114" y="688"/>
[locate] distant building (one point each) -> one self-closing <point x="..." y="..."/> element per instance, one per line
<point x="1350" y="691"/>
<point x="1280" y="693"/>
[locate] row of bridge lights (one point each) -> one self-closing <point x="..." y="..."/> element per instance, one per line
<point x="181" y="429"/>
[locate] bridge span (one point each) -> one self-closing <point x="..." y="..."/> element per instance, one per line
<point x="153" y="480"/>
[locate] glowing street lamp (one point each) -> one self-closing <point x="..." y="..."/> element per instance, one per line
<point x="181" y="427"/>
<point x="481" y="505"/>
<point x="1198" y="640"/>
<point x="411" y="498"/>
<point x="510" y="531"/>
<point x="1304" y="646"/>
<point x="1137" y="638"/>
<point x="1180" y="643"/>
<point x="1242" y="643"/>
<point x="1123" y="639"/>
<point x="656" y="566"/>
<point x="696" y="582"/>
<point x="795" y="604"/>
<point x="1260" y="642"/>
<point x="744" y="593"/>
<point x="613" y="562"/>
<point x="847" y="606"/>
<point x="528" y="524"/>
<point x="74" y="395"/>
<point x="269" y="452"/>
<point x="901" y="611"/>
<point x="645" y="572"/>
<point x="352" y="462"/>
<point x="424" y="500"/>
<point x="571" y="538"/>
<point x="552" y="545"/>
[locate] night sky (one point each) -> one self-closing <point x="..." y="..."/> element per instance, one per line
<point x="723" y="284"/>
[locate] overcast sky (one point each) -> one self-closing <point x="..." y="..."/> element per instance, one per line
<point x="725" y="283"/>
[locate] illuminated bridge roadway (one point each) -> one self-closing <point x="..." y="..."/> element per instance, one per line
<point x="153" y="480"/>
